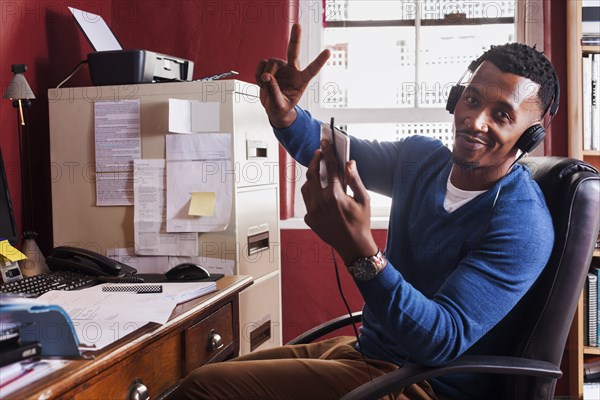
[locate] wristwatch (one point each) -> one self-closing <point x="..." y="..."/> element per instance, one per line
<point x="366" y="268"/>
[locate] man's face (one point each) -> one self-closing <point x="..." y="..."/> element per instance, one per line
<point x="490" y="116"/>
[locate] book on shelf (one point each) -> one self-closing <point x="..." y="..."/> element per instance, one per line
<point x="591" y="371"/>
<point x="590" y="17"/>
<point x="595" y="106"/>
<point x="587" y="101"/>
<point x="590" y="310"/>
<point x="590" y="40"/>
<point x="591" y="391"/>
<point x="596" y="271"/>
<point x="590" y="96"/>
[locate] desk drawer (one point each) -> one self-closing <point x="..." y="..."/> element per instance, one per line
<point x="158" y="366"/>
<point x="210" y="339"/>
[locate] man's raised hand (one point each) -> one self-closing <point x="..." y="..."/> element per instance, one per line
<point x="283" y="83"/>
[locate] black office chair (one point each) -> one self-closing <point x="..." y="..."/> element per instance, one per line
<point x="572" y="192"/>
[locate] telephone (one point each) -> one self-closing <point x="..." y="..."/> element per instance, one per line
<point x="86" y="262"/>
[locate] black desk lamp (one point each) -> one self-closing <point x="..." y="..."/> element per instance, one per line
<point x="21" y="95"/>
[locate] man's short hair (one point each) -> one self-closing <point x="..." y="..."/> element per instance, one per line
<point x="526" y="61"/>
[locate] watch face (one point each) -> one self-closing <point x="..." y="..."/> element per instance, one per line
<point x="363" y="270"/>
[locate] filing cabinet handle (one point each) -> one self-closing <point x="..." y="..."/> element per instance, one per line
<point x="215" y="341"/>
<point x="138" y="391"/>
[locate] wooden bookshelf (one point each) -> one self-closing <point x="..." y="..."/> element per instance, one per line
<point x="591" y="350"/>
<point x="577" y="352"/>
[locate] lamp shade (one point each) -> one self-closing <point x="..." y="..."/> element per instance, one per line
<point x="18" y="88"/>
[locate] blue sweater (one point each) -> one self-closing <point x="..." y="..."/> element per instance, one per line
<point x="451" y="277"/>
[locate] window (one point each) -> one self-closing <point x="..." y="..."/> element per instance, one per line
<point x="393" y="62"/>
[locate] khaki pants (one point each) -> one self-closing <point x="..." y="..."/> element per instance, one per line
<point x="321" y="370"/>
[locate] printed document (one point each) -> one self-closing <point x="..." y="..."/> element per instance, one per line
<point x="194" y="116"/>
<point x="101" y="318"/>
<point x="117" y="144"/>
<point x="199" y="163"/>
<point x="149" y="217"/>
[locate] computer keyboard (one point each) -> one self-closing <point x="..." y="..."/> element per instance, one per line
<point x="55" y="280"/>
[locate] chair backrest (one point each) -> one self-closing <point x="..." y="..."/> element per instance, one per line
<point x="572" y="191"/>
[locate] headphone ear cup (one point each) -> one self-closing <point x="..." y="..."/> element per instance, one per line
<point x="531" y="138"/>
<point x="455" y="93"/>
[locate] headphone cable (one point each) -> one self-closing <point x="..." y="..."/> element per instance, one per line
<point x="341" y="291"/>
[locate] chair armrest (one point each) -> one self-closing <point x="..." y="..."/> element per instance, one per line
<point x="327" y="327"/>
<point x="402" y="377"/>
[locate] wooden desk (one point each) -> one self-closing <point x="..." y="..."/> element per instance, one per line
<point x="157" y="356"/>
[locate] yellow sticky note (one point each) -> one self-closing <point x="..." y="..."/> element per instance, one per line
<point x="202" y="204"/>
<point x="10" y="252"/>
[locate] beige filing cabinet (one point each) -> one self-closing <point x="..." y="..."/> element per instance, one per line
<point x="252" y="237"/>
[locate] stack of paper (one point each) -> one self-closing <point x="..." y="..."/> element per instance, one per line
<point x="101" y="318"/>
<point x="182" y="292"/>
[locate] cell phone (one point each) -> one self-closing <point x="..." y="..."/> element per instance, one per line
<point x="341" y="146"/>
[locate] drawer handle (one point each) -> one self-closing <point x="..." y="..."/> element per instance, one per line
<point x="138" y="391"/>
<point x="215" y="341"/>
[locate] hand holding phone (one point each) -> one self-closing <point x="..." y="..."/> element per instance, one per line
<point x="340" y="142"/>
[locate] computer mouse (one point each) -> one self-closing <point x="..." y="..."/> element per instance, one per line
<point x="187" y="272"/>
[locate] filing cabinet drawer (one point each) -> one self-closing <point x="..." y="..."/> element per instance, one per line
<point x="257" y="162"/>
<point x="256" y="148"/>
<point x="209" y="339"/>
<point x="260" y="315"/>
<point x="156" y="367"/>
<point x="258" y="234"/>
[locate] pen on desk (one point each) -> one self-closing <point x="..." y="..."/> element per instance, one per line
<point x="133" y="288"/>
<point x="10" y="380"/>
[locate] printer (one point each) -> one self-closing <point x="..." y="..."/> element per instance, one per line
<point x="122" y="67"/>
<point x="110" y="64"/>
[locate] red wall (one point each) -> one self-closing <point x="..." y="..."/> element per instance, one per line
<point x="218" y="35"/>
<point x="555" y="47"/>
<point x="41" y="35"/>
<point x="309" y="285"/>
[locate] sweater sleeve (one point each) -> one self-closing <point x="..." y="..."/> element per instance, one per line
<point x="484" y="287"/>
<point x="374" y="159"/>
<point x="378" y="162"/>
<point x="302" y="138"/>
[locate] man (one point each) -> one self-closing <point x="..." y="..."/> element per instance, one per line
<point x="469" y="233"/>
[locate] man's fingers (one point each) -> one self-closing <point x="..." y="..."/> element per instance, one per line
<point x="330" y="161"/>
<point x="305" y="190"/>
<point x="312" y="173"/>
<point x="353" y="180"/>
<point x="260" y="68"/>
<point x="270" y="84"/>
<point x="294" y="46"/>
<point x="314" y="67"/>
<point x="272" y="66"/>
<point x="312" y="180"/>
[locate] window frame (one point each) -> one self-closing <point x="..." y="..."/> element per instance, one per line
<point x="529" y="27"/>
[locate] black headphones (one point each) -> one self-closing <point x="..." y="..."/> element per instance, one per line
<point x="534" y="135"/>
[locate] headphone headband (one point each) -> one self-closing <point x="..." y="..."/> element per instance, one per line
<point x="551" y="109"/>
